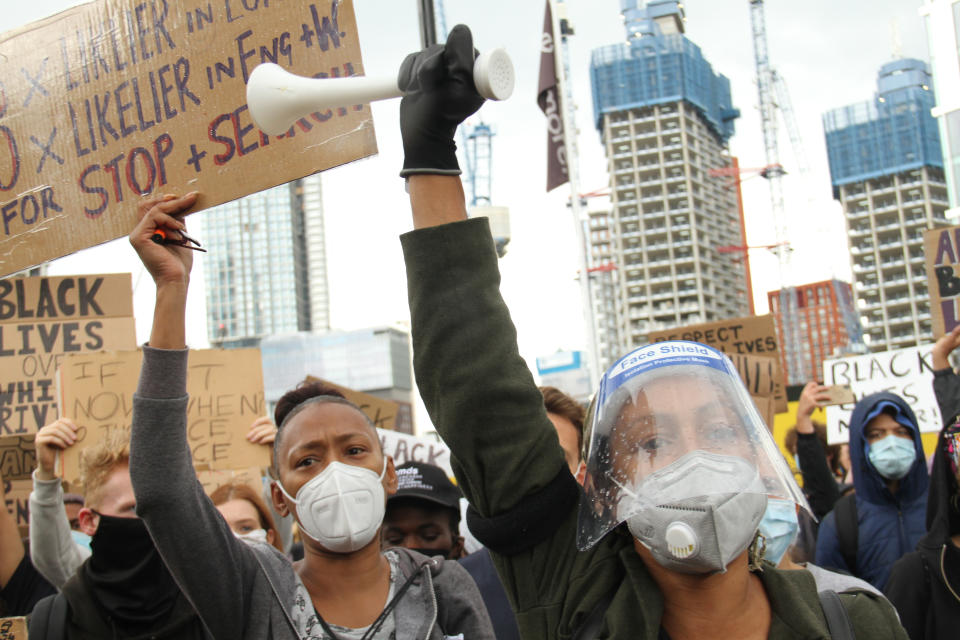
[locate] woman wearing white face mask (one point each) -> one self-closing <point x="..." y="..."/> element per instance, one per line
<point x="333" y="478"/>
<point x="246" y="513"/>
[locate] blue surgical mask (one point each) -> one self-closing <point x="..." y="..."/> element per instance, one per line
<point x="779" y="528"/>
<point x="80" y="538"/>
<point x="892" y="456"/>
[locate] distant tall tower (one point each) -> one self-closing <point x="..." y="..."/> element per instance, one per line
<point x="664" y="117"/>
<point x="887" y="172"/>
<point x="266" y="271"/>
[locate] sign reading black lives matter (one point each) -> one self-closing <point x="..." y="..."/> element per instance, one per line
<point x="905" y="372"/>
<point x="113" y="100"/>
<point x="41" y="320"/>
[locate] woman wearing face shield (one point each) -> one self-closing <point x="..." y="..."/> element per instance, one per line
<point x="679" y="465"/>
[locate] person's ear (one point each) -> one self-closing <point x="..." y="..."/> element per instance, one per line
<point x="457" y="551"/>
<point x="89" y="521"/>
<point x="581" y="472"/>
<point x="278" y="499"/>
<point x="390" y="482"/>
<point x="271" y="536"/>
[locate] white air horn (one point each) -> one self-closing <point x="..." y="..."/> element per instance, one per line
<point x="277" y="98"/>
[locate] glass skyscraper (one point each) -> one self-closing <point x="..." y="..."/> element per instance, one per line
<point x="266" y="268"/>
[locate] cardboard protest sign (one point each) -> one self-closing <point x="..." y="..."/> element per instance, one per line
<point x="765" y="406"/>
<point x="212" y="479"/>
<point x="16" y="495"/>
<point x="941" y="250"/>
<point x="41" y="319"/>
<point x="18" y="457"/>
<point x="226" y="396"/>
<point x="112" y="100"/>
<point x="406" y="448"/>
<point x="750" y="342"/>
<point x="13" y="628"/>
<point x="383" y="413"/>
<point x="905" y="372"/>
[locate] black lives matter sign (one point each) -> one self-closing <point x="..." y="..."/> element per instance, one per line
<point x="41" y="320"/>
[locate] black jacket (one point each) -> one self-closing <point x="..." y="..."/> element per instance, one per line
<point x="921" y="582"/>
<point x="88" y="619"/>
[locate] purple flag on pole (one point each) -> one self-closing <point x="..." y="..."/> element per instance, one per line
<point x="548" y="97"/>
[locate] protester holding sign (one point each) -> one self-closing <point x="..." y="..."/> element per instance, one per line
<point x="924" y="584"/>
<point x="332" y="475"/>
<point x="123" y="589"/>
<point x="21" y="586"/>
<point x="871" y="529"/>
<point x="56" y="550"/>
<point x="633" y="581"/>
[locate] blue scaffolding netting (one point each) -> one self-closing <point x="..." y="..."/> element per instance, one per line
<point x="656" y="70"/>
<point x="894" y="132"/>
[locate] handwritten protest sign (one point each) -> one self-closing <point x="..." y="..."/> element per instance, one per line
<point x="383" y="413"/>
<point x="226" y="396"/>
<point x="41" y="319"/>
<point x="18" y="457"/>
<point x="905" y="372"/>
<point x="941" y="248"/>
<point x="13" y="628"/>
<point x="212" y="479"/>
<point x="406" y="448"/>
<point x="750" y="342"/>
<point x="116" y="99"/>
<point x="16" y="494"/>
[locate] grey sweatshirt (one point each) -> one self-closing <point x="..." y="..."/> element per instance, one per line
<point x="241" y="590"/>
<point x="53" y="550"/>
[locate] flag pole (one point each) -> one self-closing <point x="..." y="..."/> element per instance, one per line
<point x="561" y="64"/>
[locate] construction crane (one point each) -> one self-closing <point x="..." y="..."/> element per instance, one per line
<point x="476" y="142"/>
<point x="768" y="83"/>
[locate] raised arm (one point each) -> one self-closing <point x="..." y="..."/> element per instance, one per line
<point x="477" y="388"/>
<point x="211" y="566"/>
<point x="53" y="550"/>
<point x="818" y="481"/>
<point x="946" y="383"/>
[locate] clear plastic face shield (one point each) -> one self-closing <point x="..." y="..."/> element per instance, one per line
<point x="674" y="428"/>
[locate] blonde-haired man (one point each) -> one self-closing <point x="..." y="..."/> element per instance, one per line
<point x="122" y="588"/>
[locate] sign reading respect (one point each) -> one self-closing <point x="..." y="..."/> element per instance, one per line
<point x="116" y="99"/>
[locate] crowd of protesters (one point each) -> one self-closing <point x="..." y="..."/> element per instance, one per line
<point x="664" y="510"/>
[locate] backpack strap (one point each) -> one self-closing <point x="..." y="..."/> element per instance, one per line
<point x="845" y="518"/>
<point x="48" y="621"/>
<point x="838" y="622"/>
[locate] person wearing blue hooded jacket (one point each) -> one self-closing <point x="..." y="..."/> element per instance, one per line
<point x="890" y="478"/>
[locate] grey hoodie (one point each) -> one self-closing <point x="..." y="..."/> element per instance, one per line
<point x="247" y="591"/>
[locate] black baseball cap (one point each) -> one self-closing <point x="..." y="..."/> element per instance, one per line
<point x="426" y="482"/>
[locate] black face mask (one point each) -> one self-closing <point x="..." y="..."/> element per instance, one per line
<point x="126" y="574"/>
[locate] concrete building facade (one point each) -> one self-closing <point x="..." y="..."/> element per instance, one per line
<point x="887" y="172"/>
<point x="664" y="117"/>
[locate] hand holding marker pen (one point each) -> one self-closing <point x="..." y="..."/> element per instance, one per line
<point x="161" y="236"/>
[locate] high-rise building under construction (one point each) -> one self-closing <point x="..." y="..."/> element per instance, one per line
<point x="664" y="117"/>
<point x="887" y="172"/>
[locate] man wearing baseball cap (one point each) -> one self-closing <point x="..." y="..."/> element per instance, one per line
<point x="424" y="513"/>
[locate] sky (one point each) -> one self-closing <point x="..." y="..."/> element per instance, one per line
<point x="828" y="52"/>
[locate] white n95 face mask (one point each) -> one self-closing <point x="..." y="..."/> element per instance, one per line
<point x="256" y="536"/>
<point x="698" y="513"/>
<point x="341" y="507"/>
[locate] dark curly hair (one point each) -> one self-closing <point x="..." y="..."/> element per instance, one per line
<point x="293" y="401"/>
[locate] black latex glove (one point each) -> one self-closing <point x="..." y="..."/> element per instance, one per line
<point x="441" y="95"/>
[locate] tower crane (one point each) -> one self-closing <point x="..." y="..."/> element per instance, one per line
<point x="768" y="86"/>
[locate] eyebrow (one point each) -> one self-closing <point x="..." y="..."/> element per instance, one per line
<point x="313" y="445"/>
